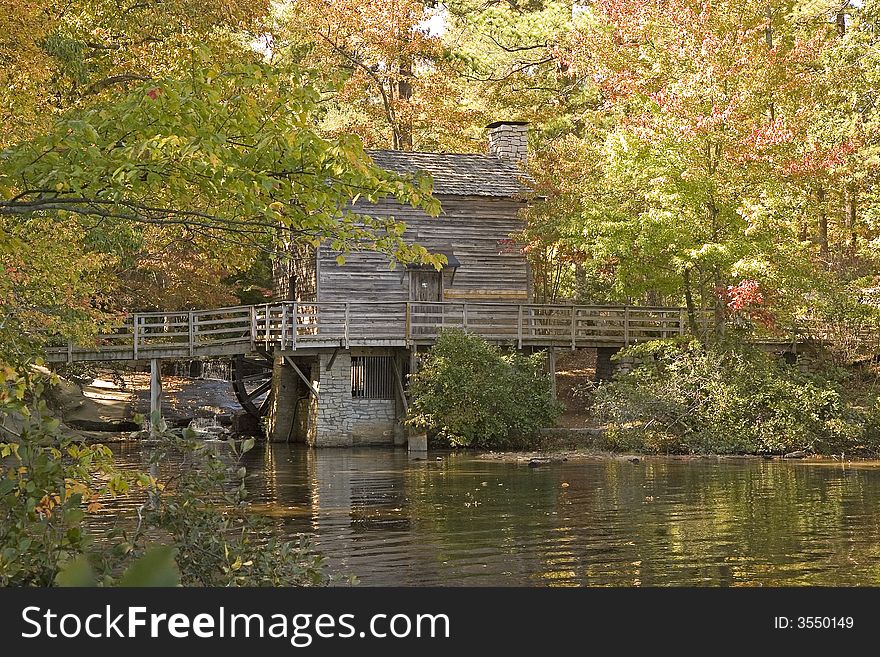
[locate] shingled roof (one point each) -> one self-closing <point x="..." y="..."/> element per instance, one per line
<point x="457" y="174"/>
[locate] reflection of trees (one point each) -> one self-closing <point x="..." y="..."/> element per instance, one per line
<point x="658" y="522"/>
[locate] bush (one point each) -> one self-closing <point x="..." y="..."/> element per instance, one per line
<point x="49" y="483"/>
<point x="685" y="397"/>
<point x="474" y="394"/>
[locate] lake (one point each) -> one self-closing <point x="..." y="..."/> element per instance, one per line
<point x="459" y="520"/>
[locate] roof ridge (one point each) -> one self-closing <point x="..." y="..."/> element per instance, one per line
<point x="391" y="150"/>
<point x="462" y="174"/>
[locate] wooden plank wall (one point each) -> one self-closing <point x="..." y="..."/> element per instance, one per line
<point x="475" y="226"/>
<point x="294" y="277"/>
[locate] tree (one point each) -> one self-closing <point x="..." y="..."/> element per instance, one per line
<point x="226" y="159"/>
<point x="396" y="83"/>
<point x="697" y="117"/>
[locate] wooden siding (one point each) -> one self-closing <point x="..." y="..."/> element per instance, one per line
<point x="294" y="275"/>
<point x="475" y="227"/>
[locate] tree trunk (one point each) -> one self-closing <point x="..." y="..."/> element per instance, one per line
<point x="851" y="204"/>
<point x="768" y="34"/>
<point x="822" y="236"/>
<point x="689" y="302"/>
<point x="720" y="310"/>
<point x="404" y="133"/>
<point x="580" y="282"/>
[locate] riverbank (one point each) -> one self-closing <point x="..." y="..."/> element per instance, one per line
<point x="120" y="398"/>
<point x="541" y="457"/>
<point x="103" y="410"/>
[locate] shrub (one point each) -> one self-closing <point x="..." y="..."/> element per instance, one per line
<point x="473" y="394"/>
<point x="686" y="397"/>
<point x="49" y="483"/>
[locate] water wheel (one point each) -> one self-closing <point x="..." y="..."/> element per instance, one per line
<point x="252" y="382"/>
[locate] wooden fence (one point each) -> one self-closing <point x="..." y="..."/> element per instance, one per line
<point x="298" y="325"/>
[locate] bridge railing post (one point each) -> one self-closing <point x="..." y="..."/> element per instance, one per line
<point x="136" y="323"/>
<point x="192" y="333"/>
<point x="519" y="327"/>
<point x="268" y="326"/>
<point x="283" y="326"/>
<point x="295" y="306"/>
<point x="573" y="327"/>
<point x="253" y="328"/>
<point x="626" y="326"/>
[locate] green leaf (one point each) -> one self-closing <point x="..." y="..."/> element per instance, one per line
<point x="156" y="568"/>
<point x="77" y="573"/>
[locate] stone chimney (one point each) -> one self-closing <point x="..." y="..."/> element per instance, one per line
<point x="508" y="141"/>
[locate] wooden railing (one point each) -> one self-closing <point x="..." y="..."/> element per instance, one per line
<point x="296" y="325"/>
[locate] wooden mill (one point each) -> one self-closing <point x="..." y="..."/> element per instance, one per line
<point x="327" y="360"/>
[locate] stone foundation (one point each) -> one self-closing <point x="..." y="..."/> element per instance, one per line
<point x="604" y="365"/>
<point x="334" y="418"/>
<point x="373" y="421"/>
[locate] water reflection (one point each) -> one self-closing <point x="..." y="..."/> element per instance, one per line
<point x="462" y="521"/>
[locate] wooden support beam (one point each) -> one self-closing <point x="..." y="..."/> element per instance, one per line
<point x="332" y="359"/>
<point x="301" y="375"/>
<point x="551" y="365"/>
<point x="155" y="395"/>
<point x="398" y="379"/>
<point x="413" y="359"/>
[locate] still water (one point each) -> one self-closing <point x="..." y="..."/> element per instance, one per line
<point x="457" y="520"/>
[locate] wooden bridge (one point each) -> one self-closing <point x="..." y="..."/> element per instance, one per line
<point x="293" y="326"/>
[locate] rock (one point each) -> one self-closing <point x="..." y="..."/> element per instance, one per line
<point x="100" y="425"/>
<point x="213" y="430"/>
<point x="795" y="455"/>
<point x="537" y="462"/>
<point x="633" y="459"/>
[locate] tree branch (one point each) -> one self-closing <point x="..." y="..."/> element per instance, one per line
<point x="100" y="85"/>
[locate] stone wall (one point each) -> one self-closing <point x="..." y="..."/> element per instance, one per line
<point x="333" y="417"/>
<point x="605" y="367"/>
<point x="373" y="421"/>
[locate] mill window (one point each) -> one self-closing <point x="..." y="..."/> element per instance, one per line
<point x="372" y="377"/>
